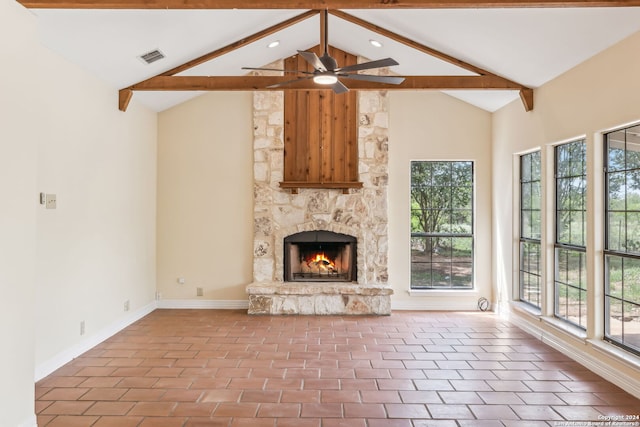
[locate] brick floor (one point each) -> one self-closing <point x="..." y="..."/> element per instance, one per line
<point x="210" y="368"/>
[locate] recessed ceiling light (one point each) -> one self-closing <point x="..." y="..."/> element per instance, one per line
<point x="375" y="43"/>
<point x="274" y="44"/>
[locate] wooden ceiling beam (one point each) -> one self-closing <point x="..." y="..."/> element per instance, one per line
<point x="251" y="83"/>
<point x="126" y="93"/>
<point x="124" y="97"/>
<point x="167" y="81"/>
<point x="408" y="42"/>
<point x="318" y="4"/>
<point x="240" y="43"/>
<point x="526" y="94"/>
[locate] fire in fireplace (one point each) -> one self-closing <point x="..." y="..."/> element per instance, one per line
<point x="319" y="256"/>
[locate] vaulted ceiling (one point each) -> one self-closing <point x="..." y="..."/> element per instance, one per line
<point x="491" y="52"/>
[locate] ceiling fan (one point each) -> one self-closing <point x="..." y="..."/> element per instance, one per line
<point x="326" y="71"/>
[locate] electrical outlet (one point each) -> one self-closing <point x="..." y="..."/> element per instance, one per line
<point x="199" y="292"/>
<point x="82" y="327"/>
<point x="158" y="296"/>
<point x="180" y="280"/>
<point x="126" y="305"/>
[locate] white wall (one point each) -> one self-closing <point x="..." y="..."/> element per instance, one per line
<point x="61" y="132"/>
<point x="595" y="96"/>
<point x="18" y="150"/>
<point x="97" y="249"/>
<point x="205" y="199"/>
<point x="434" y="126"/>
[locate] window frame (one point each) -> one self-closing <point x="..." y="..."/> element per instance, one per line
<point x="525" y="241"/>
<point x="428" y="235"/>
<point x="562" y="247"/>
<point x="621" y="254"/>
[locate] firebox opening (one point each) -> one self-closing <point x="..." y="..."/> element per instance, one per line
<point x="320" y="256"/>
<point x="321" y="261"/>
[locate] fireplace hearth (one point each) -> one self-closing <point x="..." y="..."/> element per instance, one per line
<point x="320" y="256"/>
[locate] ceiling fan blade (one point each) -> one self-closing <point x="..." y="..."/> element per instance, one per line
<point x="392" y="80"/>
<point x="289" y="82"/>
<point x="313" y="59"/>
<point x="387" y="62"/>
<point x="262" y="69"/>
<point x="277" y="69"/>
<point x="339" y="87"/>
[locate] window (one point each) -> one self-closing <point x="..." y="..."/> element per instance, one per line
<point x="570" y="263"/>
<point x="441" y="225"/>
<point x="622" y="238"/>
<point x="530" y="228"/>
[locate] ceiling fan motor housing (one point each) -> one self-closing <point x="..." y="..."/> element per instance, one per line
<point x="329" y="62"/>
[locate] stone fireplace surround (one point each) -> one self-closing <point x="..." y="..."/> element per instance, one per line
<point x="361" y="213"/>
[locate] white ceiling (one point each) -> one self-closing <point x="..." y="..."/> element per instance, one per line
<point x="530" y="46"/>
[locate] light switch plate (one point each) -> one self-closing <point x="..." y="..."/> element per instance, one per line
<point x="50" y="201"/>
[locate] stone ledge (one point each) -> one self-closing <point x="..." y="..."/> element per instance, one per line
<point x="313" y="288"/>
<point x="319" y="298"/>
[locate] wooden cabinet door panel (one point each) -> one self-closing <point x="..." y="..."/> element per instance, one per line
<point x="320" y="133"/>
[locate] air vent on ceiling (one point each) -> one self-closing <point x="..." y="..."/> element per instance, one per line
<point x="151" y="57"/>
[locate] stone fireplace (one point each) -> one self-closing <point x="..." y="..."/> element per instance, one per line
<point x="287" y="223"/>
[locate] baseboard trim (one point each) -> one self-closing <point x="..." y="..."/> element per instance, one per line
<point x="594" y="364"/>
<point x="203" y="304"/>
<point x="64" y="357"/>
<point x="426" y="305"/>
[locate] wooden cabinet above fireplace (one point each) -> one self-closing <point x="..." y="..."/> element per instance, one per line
<point x="320" y="133"/>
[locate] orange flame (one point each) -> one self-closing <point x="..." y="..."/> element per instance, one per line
<point x="320" y="260"/>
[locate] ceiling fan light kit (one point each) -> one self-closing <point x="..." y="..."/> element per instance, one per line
<point x="325" y="79"/>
